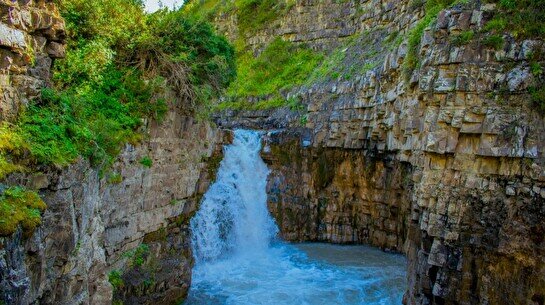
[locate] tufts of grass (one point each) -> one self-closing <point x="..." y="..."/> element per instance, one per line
<point x="280" y="66"/>
<point x="115" y="278"/>
<point x="20" y="207"/>
<point x="146" y="161"/>
<point x="494" y="41"/>
<point x="521" y="18"/>
<point x="115" y="178"/>
<point x="463" y="38"/>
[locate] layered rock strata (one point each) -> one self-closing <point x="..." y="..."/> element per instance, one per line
<point x="119" y="235"/>
<point x="457" y="148"/>
<point x="31" y="36"/>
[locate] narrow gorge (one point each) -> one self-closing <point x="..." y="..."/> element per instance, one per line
<point x="272" y="152"/>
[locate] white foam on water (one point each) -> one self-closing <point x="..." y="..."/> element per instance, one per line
<point x="239" y="260"/>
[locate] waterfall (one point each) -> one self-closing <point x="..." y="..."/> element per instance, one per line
<point x="240" y="262"/>
<point x="233" y="218"/>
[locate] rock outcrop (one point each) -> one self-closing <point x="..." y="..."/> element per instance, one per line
<point x="445" y="163"/>
<point x="126" y="239"/>
<point x="31" y="36"/>
<point x="106" y="237"/>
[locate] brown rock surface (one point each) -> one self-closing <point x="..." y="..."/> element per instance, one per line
<point x="458" y="175"/>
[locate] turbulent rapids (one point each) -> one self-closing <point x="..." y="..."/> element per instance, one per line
<point x="239" y="260"/>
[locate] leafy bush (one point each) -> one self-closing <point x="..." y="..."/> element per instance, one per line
<point x="19" y="207"/>
<point x="194" y="60"/>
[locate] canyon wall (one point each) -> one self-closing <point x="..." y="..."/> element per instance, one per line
<point x="114" y="236"/>
<point x="445" y="163"/>
<point x="125" y="239"/>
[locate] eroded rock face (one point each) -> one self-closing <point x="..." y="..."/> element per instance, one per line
<point x="31" y="37"/>
<point x="457" y="142"/>
<point x="127" y="226"/>
<point x="137" y="228"/>
<point x="336" y="195"/>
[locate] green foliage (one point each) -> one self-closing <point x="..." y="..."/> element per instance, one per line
<point x="281" y="65"/>
<point x="117" y="22"/>
<point x="138" y="256"/>
<point x="19" y="207"/>
<point x="494" y="41"/>
<point x="537" y="95"/>
<point x="187" y="52"/>
<point x="432" y="8"/>
<point x="253" y="14"/>
<point x="521" y="18"/>
<point x="463" y="38"/>
<point x="12" y="145"/>
<point x="146" y="161"/>
<point x="114" y="277"/>
<point x="115" y="178"/>
<point x="118" y="62"/>
<point x="93" y="123"/>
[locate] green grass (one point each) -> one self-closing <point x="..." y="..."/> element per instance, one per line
<point x="494" y="41"/>
<point x="251" y="15"/>
<point x="146" y="161"/>
<point x="432" y="9"/>
<point x="521" y="18"/>
<point x="138" y="255"/>
<point x="19" y="207"/>
<point x="115" y="178"/>
<point x="115" y="278"/>
<point x="282" y="65"/>
<point x="463" y="38"/>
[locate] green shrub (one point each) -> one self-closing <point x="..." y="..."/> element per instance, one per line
<point x="146" y="161"/>
<point x="138" y="256"/>
<point x="19" y="207"/>
<point x="115" y="278"/>
<point x="115" y="178"/>
<point x="187" y="53"/>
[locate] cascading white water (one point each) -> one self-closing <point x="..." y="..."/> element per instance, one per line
<point x="239" y="261"/>
<point x="233" y="215"/>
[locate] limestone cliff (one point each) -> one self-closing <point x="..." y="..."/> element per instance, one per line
<point x="444" y="164"/>
<point x="118" y="236"/>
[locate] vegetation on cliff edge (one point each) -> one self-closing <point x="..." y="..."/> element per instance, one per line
<point x="112" y="83"/>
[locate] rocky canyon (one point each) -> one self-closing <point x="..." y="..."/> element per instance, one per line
<point x="418" y="130"/>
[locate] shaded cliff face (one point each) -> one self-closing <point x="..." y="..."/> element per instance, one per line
<point x="120" y="235"/>
<point x="336" y="195"/>
<point x="459" y="132"/>
<point x="127" y="239"/>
